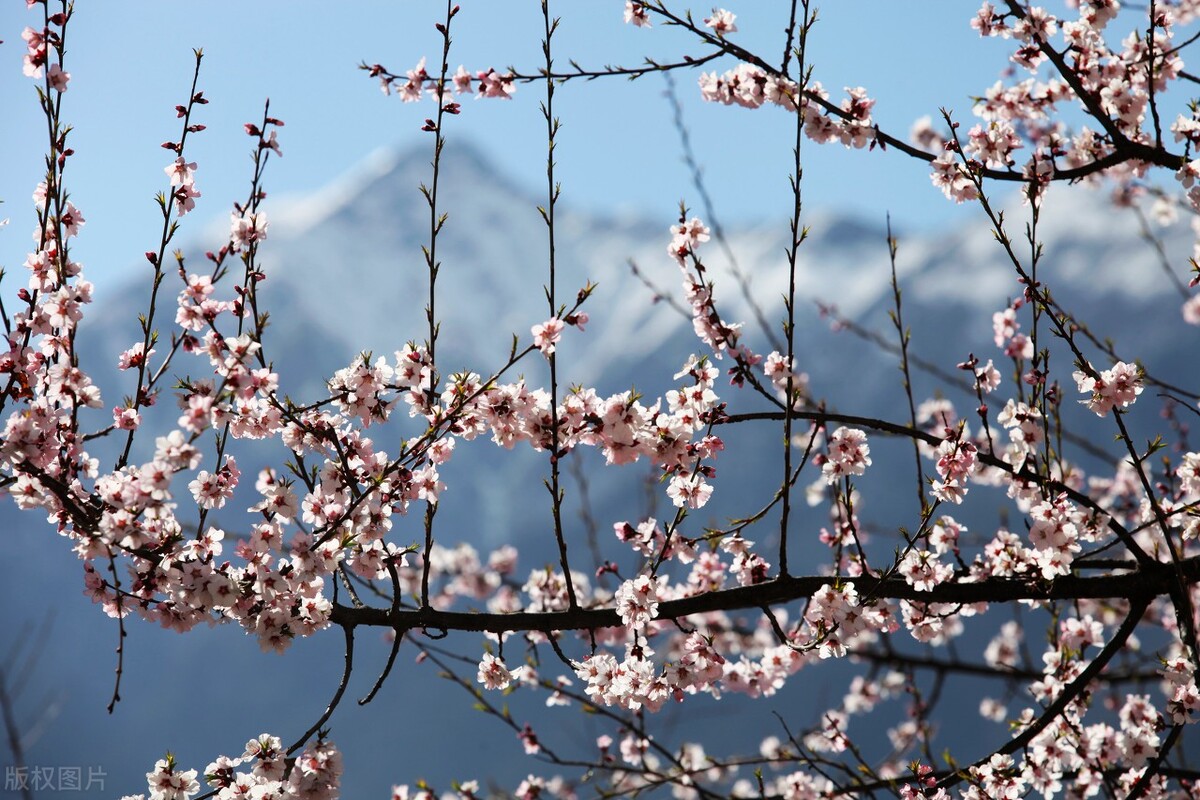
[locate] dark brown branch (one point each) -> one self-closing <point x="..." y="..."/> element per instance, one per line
<point x="632" y="73"/>
<point x="1142" y="585"/>
<point x="348" y="668"/>
<point x="942" y="665"/>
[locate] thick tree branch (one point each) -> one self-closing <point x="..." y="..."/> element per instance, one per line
<point x="1142" y="585"/>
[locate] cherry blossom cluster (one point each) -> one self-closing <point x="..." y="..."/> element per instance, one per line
<point x="848" y="454"/>
<point x="607" y="676"/>
<point x="836" y="617"/>
<point x="1021" y="115"/>
<point x="781" y="374"/>
<point x="620" y="425"/>
<point x="994" y="144"/>
<point x="1188" y="473"/>
<point x="417" y="83"/>
<point x="1055" y="535"/>
<point x="637" y="601"/>
<point x="36" y="62"/>
<point x="1116" y="387"/>
<point x="1180" y="684"/>
<point x="637" y="682"/>
<point x="721" y="22"/>
<point x="279" y="593"/>
<point x="1116" y="86"/>
<point x="953" y="178"/>
<point x="183" y="185"/>
<point x="1071" y="754"/>
<point x="718" y="334"/>
<point x="955" y="463"/>
<point x="748" y="86"/>
<point x="1114" y="81"/>
<point x="313" y="775"/>
<point x="923" y="570"/>
<point x="693" y="664"/>
<point x="1056" y="532"/>
<point x="1026" y="427"/>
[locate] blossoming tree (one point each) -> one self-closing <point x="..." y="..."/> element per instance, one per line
<point x="1106" y="562"/>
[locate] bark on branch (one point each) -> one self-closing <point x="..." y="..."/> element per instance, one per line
<point x="1142" y="584"/>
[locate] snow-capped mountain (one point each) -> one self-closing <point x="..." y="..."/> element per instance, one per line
<point x="346" y="274"/>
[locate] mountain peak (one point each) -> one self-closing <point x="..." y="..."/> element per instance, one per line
<point x="393" y="175"/>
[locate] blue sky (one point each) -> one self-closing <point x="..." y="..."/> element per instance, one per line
<point x="131" y="61"/>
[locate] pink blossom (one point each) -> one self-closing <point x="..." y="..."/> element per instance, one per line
<point x="685" y="236"/>
<point x="858" y="130"/>
<point x="1117" y="387"/>
<point x="135" y="356"/>
<point x="71" y="219"/>
<point x="849" y="454"/>
<point x="988" y="23"/>
<point x="636" y="14"/>
<point x="922" y="570"/>
<point x="1188" y="473"/>
<point x="168" y="783"/>
<point x="493" y="84"/>
<point x="987" y="377"/>
<point x="247" y="228"/>
<point x="212" y="490"/>
<point x="949" y="176"/>
<point x="181" y="173"/>
<point x="691" y="491"/>
<point x="955" y="463"/>
<point x="637" y="600"/>
<point x="462" y="80"/>
<point x="492" y="673"/>
<point x="35" y="55"/>
<point x="529" y="740"/>
<point x="58" y="78"/>
<point x="127" y="419"/>
<point x="994" y="144"/>
<point x="410" y="92"/>
<point x="546" y="335"/>
<point x="722" y="22"/>
<point x="185" y="198"/>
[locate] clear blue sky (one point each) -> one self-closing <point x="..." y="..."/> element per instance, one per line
<point x="130" y="64"/>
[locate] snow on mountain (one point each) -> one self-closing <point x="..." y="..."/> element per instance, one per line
<point x="353" y="259"/>
<point x="346" y="273"/>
